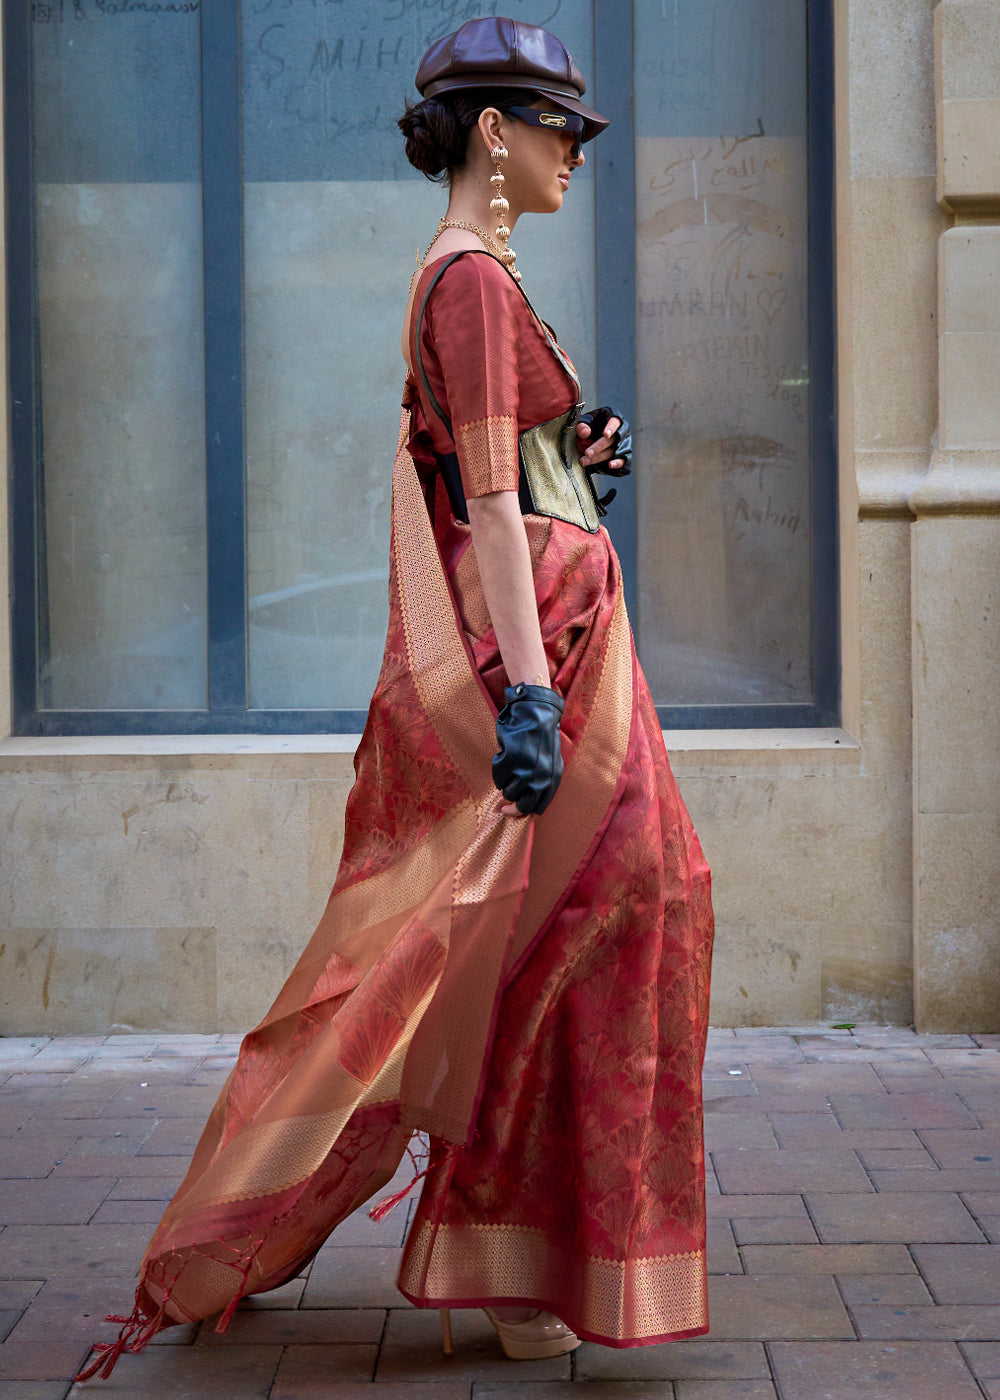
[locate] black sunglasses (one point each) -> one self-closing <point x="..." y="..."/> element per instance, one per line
<point x="555" y="121"/>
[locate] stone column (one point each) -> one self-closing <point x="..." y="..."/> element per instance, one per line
<point x="956" y="555"/>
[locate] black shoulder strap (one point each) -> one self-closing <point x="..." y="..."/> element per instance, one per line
<point x="416" y="342"/>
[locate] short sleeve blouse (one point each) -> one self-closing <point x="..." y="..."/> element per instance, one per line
<point x="490" y="368"/>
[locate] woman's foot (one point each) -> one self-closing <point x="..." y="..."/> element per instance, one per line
<point x="534" y="1336"/>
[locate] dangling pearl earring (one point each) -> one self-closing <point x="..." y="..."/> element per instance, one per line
<point x="501" y="208"/>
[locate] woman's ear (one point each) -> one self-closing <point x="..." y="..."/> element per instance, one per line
<point x="489" y="125"/>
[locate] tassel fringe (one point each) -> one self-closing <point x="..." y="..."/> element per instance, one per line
<point x="382" y="1208"/>
<point x="137" y="1332"/>
<point x="386" y="1204"/>
<point x="138" y="1329"/>
<point x="244" y="1266"/>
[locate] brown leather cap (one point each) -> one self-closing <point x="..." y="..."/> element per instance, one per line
<point x="498" y="52"/>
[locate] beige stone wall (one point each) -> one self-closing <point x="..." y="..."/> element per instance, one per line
<point x="161" y="883"/>
<point x="169" y="883"/>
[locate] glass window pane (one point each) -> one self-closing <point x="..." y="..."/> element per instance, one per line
<point x="115" y="94"/>
<point x="332" y="215"/>
<point x="723" y="381"/>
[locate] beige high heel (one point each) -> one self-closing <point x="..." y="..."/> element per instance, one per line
<point x="539" y="1336"/>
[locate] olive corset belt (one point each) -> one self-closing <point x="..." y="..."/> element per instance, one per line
<point x="552" y="480"/>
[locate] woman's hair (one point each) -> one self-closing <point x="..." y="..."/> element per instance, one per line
<point x="437" y="129"/>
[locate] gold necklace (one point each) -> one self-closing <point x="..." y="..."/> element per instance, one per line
<point x="491" y="244"/>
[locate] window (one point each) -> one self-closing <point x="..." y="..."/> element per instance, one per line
<point x="211" y="227"/>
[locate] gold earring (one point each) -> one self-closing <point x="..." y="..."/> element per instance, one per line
<point x="501" y="208"/>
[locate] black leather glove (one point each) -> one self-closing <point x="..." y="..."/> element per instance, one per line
<point x="621" y="441"/>
<point x="529" y="765"/>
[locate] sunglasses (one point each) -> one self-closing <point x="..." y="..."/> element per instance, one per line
<point x="556" y="121"/>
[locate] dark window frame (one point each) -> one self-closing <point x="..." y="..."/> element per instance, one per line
<point x="613" y="158"/>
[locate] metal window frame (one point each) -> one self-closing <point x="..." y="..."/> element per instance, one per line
<point x="222" y="222"/>
<point x="22" y="356"/>
<point x="226" y="710"/>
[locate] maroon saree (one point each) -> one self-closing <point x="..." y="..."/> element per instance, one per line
<point x="532" y="994"/>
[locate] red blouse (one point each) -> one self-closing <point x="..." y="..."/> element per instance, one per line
<point x="491" y="369"/>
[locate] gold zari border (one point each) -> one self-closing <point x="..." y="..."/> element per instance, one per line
<point x="487" y="451"/>
<point x="621" y="1299"/>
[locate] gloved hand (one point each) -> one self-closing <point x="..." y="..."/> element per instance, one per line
<point x="529" y="765"/>
<point x="621" y="448"/>
<point x="621" y="441"/>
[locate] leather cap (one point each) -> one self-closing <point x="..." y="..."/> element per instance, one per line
<point x="498" y="52"/>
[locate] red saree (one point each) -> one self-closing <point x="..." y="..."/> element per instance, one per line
<point x="533" y="994"/>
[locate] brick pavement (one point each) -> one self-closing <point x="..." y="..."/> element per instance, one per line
<point x="854" y="1237"/>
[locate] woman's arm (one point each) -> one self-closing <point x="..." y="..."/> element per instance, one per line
<point x="504" y="563"/>
<point x="501" y="545"/>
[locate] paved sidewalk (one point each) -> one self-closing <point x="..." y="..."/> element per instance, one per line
<point x="854" y="1237"/>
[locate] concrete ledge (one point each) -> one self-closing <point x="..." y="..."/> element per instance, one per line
<point x="168" y="745"/>
<point x="806" y="749"/>
<point x="257" y="755"/>
<point x="70" y="753"/>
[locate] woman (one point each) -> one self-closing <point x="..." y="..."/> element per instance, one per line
<point x="522" y="974"/>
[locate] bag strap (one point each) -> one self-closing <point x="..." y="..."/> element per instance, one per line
<point x="431" y="399"/>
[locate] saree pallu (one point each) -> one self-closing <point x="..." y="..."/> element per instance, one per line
<point x="532" y="994"/>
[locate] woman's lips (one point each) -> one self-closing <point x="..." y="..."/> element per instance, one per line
<point x="564" y="181"/>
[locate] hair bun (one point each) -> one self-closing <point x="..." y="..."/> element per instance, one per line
<point x="435" y="139"/>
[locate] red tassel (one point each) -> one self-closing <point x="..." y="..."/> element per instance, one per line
<point x="382" y="1208"/>
<point x="244" y="1264"/>
<point x="434" y="1158"/>
<point x="385" y="1205"/>
<point x="223" y="1323"/>
<point x="136" y="1334"/>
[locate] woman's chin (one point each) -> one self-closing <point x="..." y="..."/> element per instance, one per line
<point x="551" y="203"/>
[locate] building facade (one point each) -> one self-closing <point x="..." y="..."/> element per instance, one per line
<point x="783" y="260"/>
